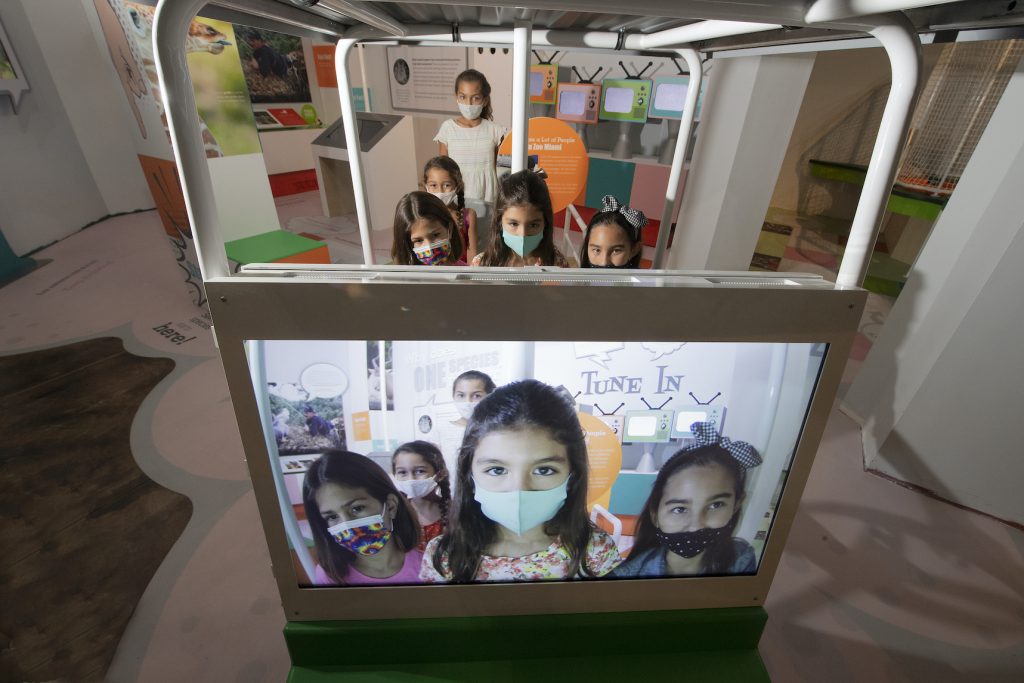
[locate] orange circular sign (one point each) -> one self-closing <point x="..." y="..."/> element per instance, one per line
<point x="561" y="153"/>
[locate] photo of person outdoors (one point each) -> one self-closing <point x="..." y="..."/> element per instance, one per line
<point x="520" y="509"/>
<point x="420" y="474"/>
<point x="688" y="521"/>
<point x="363" y="529"/>
<point x="274" y="65"/>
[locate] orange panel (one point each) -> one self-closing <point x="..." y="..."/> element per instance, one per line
<point x="318" y="255"/>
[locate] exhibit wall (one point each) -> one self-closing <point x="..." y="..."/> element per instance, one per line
<point x="938" y="393"/>
<point x="64" y="164"/>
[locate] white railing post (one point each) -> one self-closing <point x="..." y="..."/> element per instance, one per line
<point x="521" y="41"/>
<point x="679" y="157"/>
<point x="903" y="47"/>
<point x="170" y="28"/>
<point x="355" y="159"/>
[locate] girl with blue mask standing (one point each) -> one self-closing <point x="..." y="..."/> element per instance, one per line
<point x="523" y="228"/>
<point x="519" y="513"/>
<point x="362" y="526"/>
<point x="687" y="524"/>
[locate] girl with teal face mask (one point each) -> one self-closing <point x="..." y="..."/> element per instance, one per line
<point x="522" y="230"/>
<point x="520" y="513"/>
<point x="362" y="526"/>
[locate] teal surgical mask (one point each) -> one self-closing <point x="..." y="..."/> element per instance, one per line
<point x="521" y="245"/>
<point x="520" y="511"/>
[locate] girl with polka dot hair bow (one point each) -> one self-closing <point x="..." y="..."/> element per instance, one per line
<point x="613" y="237"/>
<point x="686" y="527"/>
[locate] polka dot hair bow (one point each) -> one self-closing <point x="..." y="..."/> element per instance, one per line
<point x="635" y="217"/>
<point x="705" y="434"/>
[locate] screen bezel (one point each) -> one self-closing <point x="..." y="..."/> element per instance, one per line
<point x="375" y="304"/>
<point x="587" y="89"/>
<point x="655" y="113"/>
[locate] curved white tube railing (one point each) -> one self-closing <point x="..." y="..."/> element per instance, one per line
<point x="355" y="157"/>
<point x="170" y="27"/>
<point x="903" y="47"/>
<point x="679" y="156"/>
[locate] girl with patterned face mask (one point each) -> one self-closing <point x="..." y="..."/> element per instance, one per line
<point x="362" y="526"/>
<point x="443" y="179"/>
<point x="425" y="233"/>
<point x="613" y="237"/>
<point x="688" y="522"/>
<point x="420" y="474"/>
<point x="519" y="513"/>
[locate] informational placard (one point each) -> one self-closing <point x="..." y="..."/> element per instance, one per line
<point x="423" y="78"/>
<point x="323" y="57"/>
<point x="562" y="155"/>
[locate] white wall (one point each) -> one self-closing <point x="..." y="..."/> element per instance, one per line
<point x="47" y="189"/>
<point x="940" y="392"/>
<point x="750" y="106"/>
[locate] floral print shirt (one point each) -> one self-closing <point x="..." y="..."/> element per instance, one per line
<point x="551" y="563"/>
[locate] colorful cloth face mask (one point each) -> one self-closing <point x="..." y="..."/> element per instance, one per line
<point x="520" y="511"/>
<point x="446" y="197"/>
<point x="522" y="245"/>
<point x="364" y="536"/>
<point x="434" y="252"/>
<point x="692" y="543"/>
<point x="416" y="488"/>
<point x="471" y="112"/>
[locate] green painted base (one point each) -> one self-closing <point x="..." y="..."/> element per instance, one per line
<point x="680" y="645"/>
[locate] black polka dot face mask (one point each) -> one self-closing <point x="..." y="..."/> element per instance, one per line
<point x="690" y="544"/>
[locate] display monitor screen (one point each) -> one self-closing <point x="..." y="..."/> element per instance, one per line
<point x="572" y="103"/>
<point x="669" y="97"/>
<point x="618" y="100"/>
<point x="645" y="425"/>
<point x="409" y="462"/>
<point x="536" y="83"/>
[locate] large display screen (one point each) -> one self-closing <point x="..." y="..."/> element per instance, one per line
<point x="439" y="462"/>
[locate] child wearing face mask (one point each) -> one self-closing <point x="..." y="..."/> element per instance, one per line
<point x="523" y="227"/>
<point x="613" y="236"/>
<point x="420" y="474"/>
<point x="519" y="512"/>
<point x="472" y="138"/>
<point x="425" y="233"/>
<point x="363" y="529"/>
<point x="687" y="523"/>
<point x="443" y="179"/>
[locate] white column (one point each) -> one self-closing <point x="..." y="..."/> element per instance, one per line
<point x="520" y="94"/>
<point x="748" y="114"/>
<point x="939" y="395"/>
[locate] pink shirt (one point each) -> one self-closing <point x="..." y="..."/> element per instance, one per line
<point x="409" y="573"/>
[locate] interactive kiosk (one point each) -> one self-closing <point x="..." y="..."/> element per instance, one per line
<point x="370" y="349"/>
<point x="385" y="141"/>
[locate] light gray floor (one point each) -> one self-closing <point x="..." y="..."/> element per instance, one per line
<point x="877" y="583"/>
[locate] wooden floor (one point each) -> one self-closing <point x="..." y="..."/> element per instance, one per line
<point x="83" y="528"/>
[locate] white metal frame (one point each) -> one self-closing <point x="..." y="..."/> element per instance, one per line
<point x="239" y="302"/>
<point x="893" y="31"/>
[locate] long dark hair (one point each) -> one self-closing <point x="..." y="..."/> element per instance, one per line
<point x="528" y="404"/>
<point x="718" y="558"/>
<point x="521" y="189"/>
<point x="474" y="76"/>
<point x="448" y="165"/>
<point x="411" y="208"/>
<point x="431" y="455"/>
<point x="352" y="469"/>
<point x="611" y="218"/>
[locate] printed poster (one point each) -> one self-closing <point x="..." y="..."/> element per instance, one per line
<point x="423" y="78"/>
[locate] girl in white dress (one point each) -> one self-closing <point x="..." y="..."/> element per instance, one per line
<point x="472" y="138"/>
